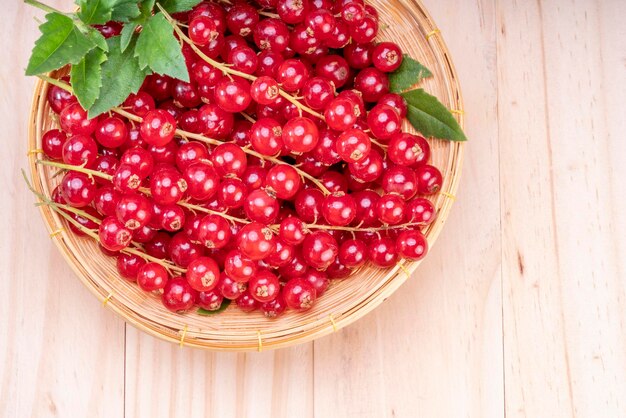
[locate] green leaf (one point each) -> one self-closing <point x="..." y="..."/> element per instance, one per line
<point x="409" y="74"/>
<point x="222" y="308"/>
<point x="146" y="7"/>
<point x="97" y="12"/>
<point x="93" y="12"/>
<point x="158" y="49"/>
<point x="121" y="76"/>
<point x="125" y="10"/>
<point x="175" y="6"/>
<point x="61" y="43"/>
<point x="127" y="35"/>
<point x="86" y="77"/>
<point x="430" y="117"/>
<point x="97" y="38"/>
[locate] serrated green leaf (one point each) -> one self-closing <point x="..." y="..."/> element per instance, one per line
<point x="61" y="43"/>
<point x="158" y="49"/>
<point x="97" y="38"/>
<point x="175" y="6"/>
<point x="125" y="10"/>
<point x="98" y="12"/>
<point x="86" y="77"/>
<point x="407" y="75"/>
<point x="121" y="76"/>
<point x="430" y="117"/>
<point x="222" y="308"/>
<point x="127" y="35"/>
<point x="146" y="7"/>
<point x="94" y="12"/>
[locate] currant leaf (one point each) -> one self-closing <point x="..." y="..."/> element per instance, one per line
<point x="175" y="6"/>
<point x="121" y="76"/>
<point x="409" y="74"/>
<point x="430" y="117"/>
<point x="96" y="12"/>
<point x="158" y="49"/>
<point x="86" y="77"/>
<point x="127" y="35"/>
<point x="61" y="43"/>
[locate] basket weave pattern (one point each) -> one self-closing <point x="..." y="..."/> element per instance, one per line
<point x="344" y="302"/>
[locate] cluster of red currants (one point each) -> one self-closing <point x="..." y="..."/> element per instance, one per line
<point x="311" y="186"/>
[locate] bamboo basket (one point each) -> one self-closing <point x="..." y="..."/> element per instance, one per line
<point x="407" y="23"/>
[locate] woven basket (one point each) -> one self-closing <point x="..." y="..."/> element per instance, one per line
<point x="345" y="301"/>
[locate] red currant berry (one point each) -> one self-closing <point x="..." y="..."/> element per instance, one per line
<point x="126" y="178"/>
<point x="78" y="189"/>
<point x="74" y="120"/>
<point x="308" y="205"/>
<point x="368" y="169"/>
<point x="134" y="211"/>
<point x="364" y="31"/>
<point x="59" y="98"/>
<point x="318" y="93"/>
<point x="242" y="18"/>
<point x="408" y="150"/>
<point x="140" y="104"/>
<point x="334" y="182"/>
<point x="412" y="245"/>
<point x="319" y="249"/>
<point x="300" y="135"/>
<point x="144" y="235"/>
<point x="292" y="75"/>
<point x="167" y="186"/>
<point x="353" y="253"/>
<point x="152" y="276"/>
<point x="366" y="202"/>
<point x="210" y="301"/>
<point x="292" y="11"/>
<point x="284" y="181"/>
<point x="203" y="274"/>
<point x="80" y="150"/>
<point x="202" y="30"/>
<point x="282" y="255"/>
<point x="182" y="250"/>
<point x="215" y="122"/>
<point x="178" y="295"/>
<point x="246" y="302"/>
<point x="264" y="90"/>
<point x="260" y="207"/>
<point x="299" y="295"/>
<point x="233" y="95"/>
<point x="264" y="286"/>
<point x="387" y="56"/>
<point x="214" y="231"/>
<point x="401" y="181"/>
<point x="317" y="279"/>
<point x="429" y="179"/>
<point x="139" y="158"/>
<point x="302" y="40"/>
<point x="111" y="132"/>
<point x="271" y="35"/>
<point x="292" y="230"/>
<point x="383" y="252"/>
<point x="230" y="288"/>
<point x="158" y="127"/>
<point x="358" y="56"/>
<point x="128" y="265"/>
<point x="255" y="241"/>
<point x="397" y="102"/>
<point x="266" y="136"/>
<point x="239" y="267"/>
<point x="321" y="22"/>
<point x="254" y="177"/>
<point x="105" y="200"/>
<point x="383" y="121"/>
<point x="113" y="235"/>
<point x="341" y="114"/>
<point x="339" y="209"/>
<point x="172" y="218"/>
<point x="372" y="83"/>
<point x="52" y="143"/>
<point x="333" y="68"/>
<point x="353" y="145"/>
<point x="390" y="209"/>
<point x="274" y="308"/>
<point x="269" y="61"/>
<point x="340" y="36"/>
<point x="202" y="181"/>
<point x="231" y="193"/>
<point x="326" y="150"/>
<point x="420" y="211"/>
<point x="229" y="160"/>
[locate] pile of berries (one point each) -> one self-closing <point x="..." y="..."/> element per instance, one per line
<point x="289" y="167"/>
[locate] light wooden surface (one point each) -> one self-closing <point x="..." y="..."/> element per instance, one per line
<point x="520" y="309"/>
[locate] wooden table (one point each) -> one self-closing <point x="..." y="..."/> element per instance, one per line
<point x="519" y="309"/>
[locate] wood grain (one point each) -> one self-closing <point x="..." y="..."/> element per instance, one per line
<point x="565" y="352"/>
<point x="519" y="309"/>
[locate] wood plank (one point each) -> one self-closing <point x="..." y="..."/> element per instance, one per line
<point x="435" y="347"/>
<point x="565" y="351"/>
<point x="62" y="352"/>
<point x="164" y="380"/>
